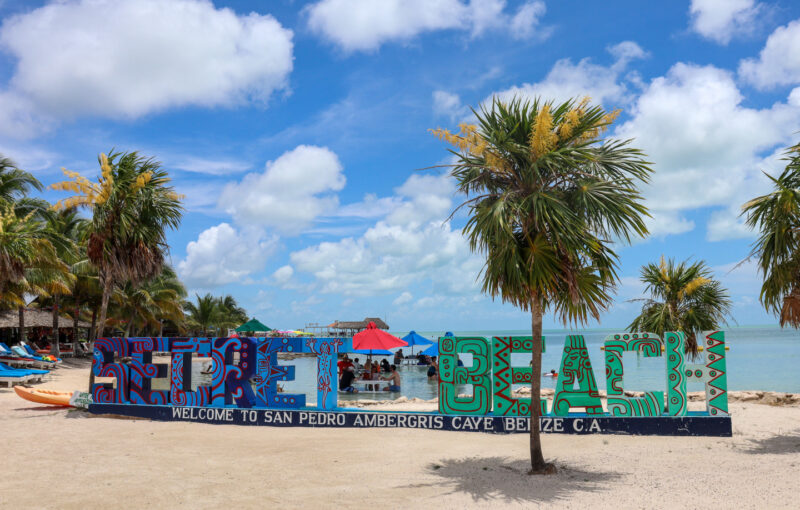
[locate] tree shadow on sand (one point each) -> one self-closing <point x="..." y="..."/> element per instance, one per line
<point x="779" y="444"/>
<point x="485" y="478"/>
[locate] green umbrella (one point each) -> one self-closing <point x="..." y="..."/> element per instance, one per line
<point x="253" y="325"/>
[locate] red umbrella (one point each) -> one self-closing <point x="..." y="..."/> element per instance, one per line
<point x="374" y="338"/>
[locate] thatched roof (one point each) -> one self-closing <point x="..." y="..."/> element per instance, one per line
<point x="36" y="318"/>
<point x="359" y="325"/>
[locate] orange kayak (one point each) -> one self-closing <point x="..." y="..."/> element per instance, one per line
<point x="49" y="397"/>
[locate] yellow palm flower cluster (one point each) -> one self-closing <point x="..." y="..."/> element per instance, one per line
<point x="141" y="181"/>
<point x="469" y="141"/>
<point x="87" y="192"/>
<point x="543" y="137"/>
<point x="692" y="286"/>
<point x="663" y="267"/>
<point x="546" y="133"/>
<point x="600" y="127"/>
<point x="8" y="217"/>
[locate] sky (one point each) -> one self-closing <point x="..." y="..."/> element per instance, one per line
<point x="299" y="133"/>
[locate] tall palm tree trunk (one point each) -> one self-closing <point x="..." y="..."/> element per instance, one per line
<point x="101" y="325"/>
<point x="538" y="464"/>
<point x="22" y="336"/>
<point x="92" y="333"/>
<point x="55" y="349"/>
<point x="75" y="322"/>
<point x="129" y="324"/>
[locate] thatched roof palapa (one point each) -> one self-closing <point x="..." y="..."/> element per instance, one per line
<point x="36" y="318"/>
<point x="359" y="325"/>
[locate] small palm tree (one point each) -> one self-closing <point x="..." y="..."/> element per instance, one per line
<point x="15" y="185"/>
<point x="202" y="314"/>
<point x="546" y="198"/>
<point x="230" y="313"/>
<point x="29" y="261"/>
<point x="683" y="297"/>
<point x="776" y="217"/>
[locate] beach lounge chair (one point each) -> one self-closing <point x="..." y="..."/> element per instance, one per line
<point x="14" y="376"/>
<point x="29" y="371"/>
<point x="32" y="352"/>
<point x="13" y="359"/>
<point x="37" y="361"/>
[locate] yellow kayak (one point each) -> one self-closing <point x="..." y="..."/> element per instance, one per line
<point x="49" y="397"/>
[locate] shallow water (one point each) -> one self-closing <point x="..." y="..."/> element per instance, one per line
<point x="760" y="358"/>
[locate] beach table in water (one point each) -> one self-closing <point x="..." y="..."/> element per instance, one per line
<point x="363" y="386"/>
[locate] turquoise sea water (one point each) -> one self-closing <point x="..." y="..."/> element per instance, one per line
<point x="760" y="358"/>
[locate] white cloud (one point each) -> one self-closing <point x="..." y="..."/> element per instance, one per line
<point x="221" y="255"/>
<point x="447" y="104"/>
<point x="413" y="244"/>
<point x="568" y="80"/>
<point x="114" y="58"/>
<point x="293" y="190"/>
<point x="403" y="299"/>
<point x="721" y="20"/>
<point x="364" y="25"/>
<point x="211" y="166"/>
<point x="779" y="61"/>
<point x="706" y="147"/>
<point x="526" y="20"/>
<point x="283" y="274"/>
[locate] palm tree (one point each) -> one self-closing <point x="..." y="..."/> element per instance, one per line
<point x="230" y="313"/>
<point x="15" y="184"/>
<point x="776" y="217"/>
<point x="203" y="314"/>
<point x="149" y="304"/>
<point x="66" y="230"/>
<point x="29" y="261"/>
<point x="683" y="297"/>
<point x="546" y="199"/>
<point x="132" y="208"/>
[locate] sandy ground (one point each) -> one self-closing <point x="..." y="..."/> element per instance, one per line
<point x="58" y="458"/>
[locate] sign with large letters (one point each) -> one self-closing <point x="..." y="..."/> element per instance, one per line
<point x="245" y="373"/>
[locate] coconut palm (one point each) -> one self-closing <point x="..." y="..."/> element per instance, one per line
<point x="132" y="208"/>
<point x="66" y="230"/>
<point x="230" y="313"/>
<point x="776" y="217"/>
<point x="683" y="297"/>
<point x="29" y="261"/>
<point x="144" y="307"/>
<point x="546" y="200"/>
<point x="15" y="185"/>
<point x="202" y="315"/>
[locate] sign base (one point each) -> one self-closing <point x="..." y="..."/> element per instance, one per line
<point x="691" y="425"/>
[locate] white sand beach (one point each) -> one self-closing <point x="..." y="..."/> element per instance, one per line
<point x="59" y="458"/>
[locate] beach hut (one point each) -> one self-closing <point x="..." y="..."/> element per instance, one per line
<point x="350" y="328"/>
<point x="36" y="318"/>
<point x="253" y="326"/>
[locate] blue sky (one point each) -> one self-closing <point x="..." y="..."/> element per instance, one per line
<point x="296" y="131"/>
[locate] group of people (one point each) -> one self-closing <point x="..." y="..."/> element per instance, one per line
<point x="350" y="371"/>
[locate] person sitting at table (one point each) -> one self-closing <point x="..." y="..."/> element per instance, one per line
<point x="346" y="382"/>
<point x="394" y="378"/>
<point x="398" y="357"/>
<point x="423" y="359"/>
<point x="385" y="365"/>
<point x="357" y="365"/>
<point x="343" y="364"/>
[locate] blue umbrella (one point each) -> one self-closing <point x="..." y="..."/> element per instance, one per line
<point x="413" y="339"/>
<point x="433" y="350"/>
